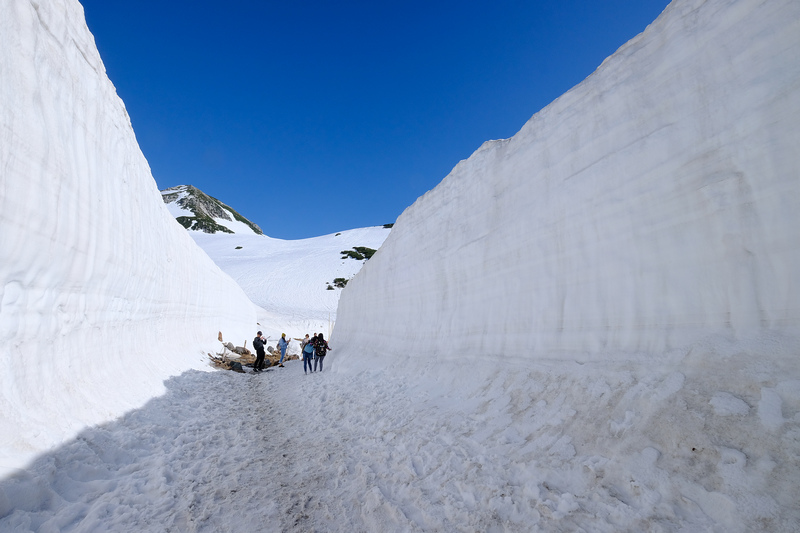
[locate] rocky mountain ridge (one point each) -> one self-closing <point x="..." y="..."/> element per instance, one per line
<point x="197" y="211"/>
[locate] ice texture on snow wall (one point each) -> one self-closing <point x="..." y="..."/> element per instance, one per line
<point x="102" y="294"/>
<point x="655" y="205"/>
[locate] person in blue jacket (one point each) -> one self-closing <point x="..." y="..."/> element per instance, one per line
<point x="283" y="344"/>
<point x="307" y="348"/>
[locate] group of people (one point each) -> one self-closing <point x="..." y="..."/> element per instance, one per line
<point x="313" y="349"/>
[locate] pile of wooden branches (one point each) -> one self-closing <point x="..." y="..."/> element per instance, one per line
<point x="232" y="357"/>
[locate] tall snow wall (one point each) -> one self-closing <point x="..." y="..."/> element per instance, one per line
<point x="102" y="294"/>
<point x="610" y="300"/>
<point x="654" y="206"/>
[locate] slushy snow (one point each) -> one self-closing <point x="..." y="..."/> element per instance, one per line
<point x="592" y="326"/>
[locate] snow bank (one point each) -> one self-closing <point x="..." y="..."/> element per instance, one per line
<point x="613" y="295"/>
<point x="652" y="206"/>
<point x="102" y="294"/>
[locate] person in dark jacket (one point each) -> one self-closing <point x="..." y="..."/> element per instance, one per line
<point x="258" y="344"/>
<point x="320" y="348"/>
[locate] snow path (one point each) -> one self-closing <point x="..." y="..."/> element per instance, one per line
<point x="368" y="451"/>
<point x="223" y="451"/>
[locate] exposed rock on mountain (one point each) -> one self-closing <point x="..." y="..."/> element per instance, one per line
<point x="197" y="211"/>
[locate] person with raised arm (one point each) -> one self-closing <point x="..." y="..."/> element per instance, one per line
<point x="283" y="344"/>
<point x="307" y="349"/>
<point x="258" y="344"/>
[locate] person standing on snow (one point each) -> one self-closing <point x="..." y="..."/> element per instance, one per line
<point x="320" y="348"/>
<point x="258" y="344"/>
<point x="307" y="347"/>
<point x="282" y="344"/>
<point x="314" y="352"/>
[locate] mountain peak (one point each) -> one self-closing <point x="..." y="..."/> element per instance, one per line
<point x="197" y="211"/>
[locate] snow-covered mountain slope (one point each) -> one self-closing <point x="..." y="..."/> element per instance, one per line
<point x="292" y="281"/>
<point x="102" y="294"/>
<point x="617" y="287"/>
<point x="198" y="211"/>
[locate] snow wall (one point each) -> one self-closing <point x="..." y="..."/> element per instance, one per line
<point x="652" y="206"/>
<point x="617" y="287"/>
<point x="102" y="294"/>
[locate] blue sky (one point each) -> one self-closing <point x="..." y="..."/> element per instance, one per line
<point x="312" y="117"/>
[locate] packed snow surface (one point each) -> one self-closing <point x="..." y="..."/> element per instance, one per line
<point x="592" y="326"/>
<point x="546" y="447"/>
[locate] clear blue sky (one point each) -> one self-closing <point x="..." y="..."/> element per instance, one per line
<point x="312" y="117"/>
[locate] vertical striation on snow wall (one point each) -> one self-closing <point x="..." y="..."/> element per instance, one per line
<point x="102" y="294"/>
<point x="651" y="207"/>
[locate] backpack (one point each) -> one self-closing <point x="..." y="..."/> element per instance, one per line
<point x="321" y="347"/>
<point x="258" y="344"/>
